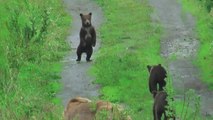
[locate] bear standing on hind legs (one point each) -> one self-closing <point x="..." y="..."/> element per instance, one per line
<point x="87" y="37"/>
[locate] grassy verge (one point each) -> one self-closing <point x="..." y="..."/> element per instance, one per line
<point x="32" y="42"/>
<point x="130" y="41"/>
<point x="204" y="23"/>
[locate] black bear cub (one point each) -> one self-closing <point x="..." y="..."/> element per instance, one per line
<point x="87" y="37"/>
<point x="157" y="77"/>
<point x="159" y="106"/>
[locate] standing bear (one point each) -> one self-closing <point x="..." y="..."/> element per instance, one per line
<point x="157" y="77"/>
<point x="87" y="37"/>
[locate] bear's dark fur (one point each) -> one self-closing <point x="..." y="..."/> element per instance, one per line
<point x="87" y="37"/>
<point x="157" y="77"/>
<point x="159" y="107"/>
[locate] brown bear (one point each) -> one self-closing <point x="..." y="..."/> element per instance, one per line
<point x="87" y="37"/>
<point x="157" y="77"/>
<point x="159" y="106"/>
<point x="82" y="109"/>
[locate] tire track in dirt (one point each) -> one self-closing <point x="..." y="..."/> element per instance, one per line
<point x="180" y="40"/>
<point x="75" y="79"/>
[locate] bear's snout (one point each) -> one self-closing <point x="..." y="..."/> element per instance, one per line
<point x="87" y="22"/>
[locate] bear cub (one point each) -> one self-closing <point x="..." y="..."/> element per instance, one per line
<point x="87" y="37"/>
<point x="157" y="77"/>
<point x="159" y="106"/>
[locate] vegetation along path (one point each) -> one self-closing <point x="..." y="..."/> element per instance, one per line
<point x="75" y="80"/>
<point x="179" y="40"/>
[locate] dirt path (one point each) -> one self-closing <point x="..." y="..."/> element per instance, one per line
<point x="180" y="40"/>
<point x="75" y="80"/>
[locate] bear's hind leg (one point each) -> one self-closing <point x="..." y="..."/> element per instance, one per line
<point x="159" y="115"/>
<point x="79" y="52"/>
<point x="154" y="113"/>
<point x="89" y="54"/>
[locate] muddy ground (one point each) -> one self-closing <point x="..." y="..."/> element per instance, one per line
<point x="75" y="78"/>
<point x="180" y="40"/>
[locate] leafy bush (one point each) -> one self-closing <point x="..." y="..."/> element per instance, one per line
<point x="208" y="4"/>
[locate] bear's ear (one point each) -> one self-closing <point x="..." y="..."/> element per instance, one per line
<point x="149" y="67"/>
<point x="159" y="64"/>
<point x="90" y="13"/>
<point x="81" y="14"/>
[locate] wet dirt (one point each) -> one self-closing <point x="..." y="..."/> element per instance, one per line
<point x="75" y="78"/>
<point x="180" y="40"/>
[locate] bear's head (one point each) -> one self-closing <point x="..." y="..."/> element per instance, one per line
<point x="159" y="69"/>
<point x="86" y="19"/>
<point x="150" y="68"/>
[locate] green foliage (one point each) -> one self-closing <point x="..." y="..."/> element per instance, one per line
<point x="204" y="30"/>
<point x="208" y="4"/>
<point x="190" y="98"/>
<point x="186" y="107"/>
<point x="116" y="113"/>
<point x="31" y="44"/>
<point x="130" y="41"/>
<point x="171" y="107"/>
<point x="103" y="115"/>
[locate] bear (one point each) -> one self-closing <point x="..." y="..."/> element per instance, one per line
<point x="159" y="106"/>
<point x="87" y="37"/>
<point x="75" y="106"/>
<point x="157" y="77"/>
<point x="80" y="108"/>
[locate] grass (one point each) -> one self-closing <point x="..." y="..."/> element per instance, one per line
<point x="204" y="22"/>
<point x="32" y="42"/>
<point x="130" y="41"/>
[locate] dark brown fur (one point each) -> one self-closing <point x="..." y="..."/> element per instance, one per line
<point x="157" y="77"/>
<point x="87" y="37"/>
<point x="159" y="107"/>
